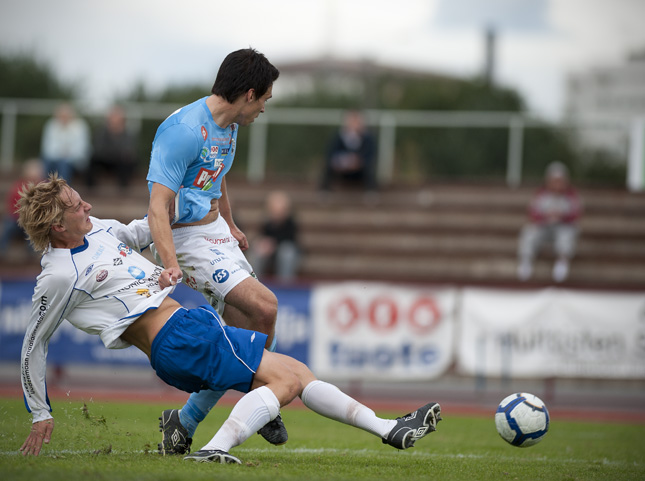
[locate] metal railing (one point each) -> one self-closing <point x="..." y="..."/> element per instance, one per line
<point x="385" y="121"/>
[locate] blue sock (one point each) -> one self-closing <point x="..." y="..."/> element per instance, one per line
<point x="200" y="403"/>
<point x="197" y="407"/>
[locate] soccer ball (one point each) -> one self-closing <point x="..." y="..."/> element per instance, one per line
<point x="522" y="419"/>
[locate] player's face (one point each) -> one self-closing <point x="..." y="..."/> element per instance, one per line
<point x="76" y="219"/>
<point x="255" y="108"/>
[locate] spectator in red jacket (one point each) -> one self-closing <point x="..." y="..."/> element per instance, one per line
<point x="553" y="220"/>
<point x="32" y="171"/>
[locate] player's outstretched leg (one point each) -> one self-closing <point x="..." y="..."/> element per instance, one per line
<point x="414" y="426"/>
<point x="212" y="456"/>
<point x="327" y="400"/>
<point x="175" y="438"/>
<point x="275" y="432"/>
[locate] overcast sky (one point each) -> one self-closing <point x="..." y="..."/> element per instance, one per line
<point x="108" y="46"/>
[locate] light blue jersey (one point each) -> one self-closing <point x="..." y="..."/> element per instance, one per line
<point x="191" y="151"/>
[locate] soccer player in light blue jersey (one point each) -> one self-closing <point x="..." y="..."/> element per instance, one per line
<point x="192" y="151"/>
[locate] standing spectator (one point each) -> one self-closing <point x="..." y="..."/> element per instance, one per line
<point x="65" y="143"/>
<point x="553" y="219"/>
<point x="114" y="149"/>
<point x="276" y="249"/>
<point x="351" y="154"/>
<point x="32" y="172"/>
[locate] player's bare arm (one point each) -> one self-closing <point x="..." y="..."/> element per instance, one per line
<point x="161" y="199"/>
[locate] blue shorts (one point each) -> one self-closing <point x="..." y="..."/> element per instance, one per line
<point x="194" y="350"/>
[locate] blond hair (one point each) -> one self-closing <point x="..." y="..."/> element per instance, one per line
<point x="40" y="207"/>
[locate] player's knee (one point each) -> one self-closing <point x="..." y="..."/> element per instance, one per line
<point x="266" y="314"/>
<point x="292" y="385"/>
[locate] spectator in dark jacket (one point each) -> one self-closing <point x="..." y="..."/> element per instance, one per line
<point x="114" y="150"/>
<point x="276" y="250"/>
<point x="351" y="155"/>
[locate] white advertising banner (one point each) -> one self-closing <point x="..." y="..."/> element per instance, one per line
<point x="552" y="332"/>
<point x="381" y="331"/>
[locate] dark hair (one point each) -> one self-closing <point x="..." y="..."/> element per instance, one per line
<point x="241" y="71"/>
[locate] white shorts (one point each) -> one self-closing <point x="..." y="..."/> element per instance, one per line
<point x="210" y="259"/>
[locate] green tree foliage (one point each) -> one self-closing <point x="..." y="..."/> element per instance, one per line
<point x="422" y="154"/>
<point x="23" y="76"/>
<point x="427" y="154"/>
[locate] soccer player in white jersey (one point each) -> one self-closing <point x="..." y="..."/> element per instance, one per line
<point x="94" y="277"/>
<point x="192" y="151"/>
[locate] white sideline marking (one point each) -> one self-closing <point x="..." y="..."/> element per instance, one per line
<point x="356" y="452"/>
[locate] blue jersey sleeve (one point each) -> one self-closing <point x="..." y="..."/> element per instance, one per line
<point x="172" y="152"/>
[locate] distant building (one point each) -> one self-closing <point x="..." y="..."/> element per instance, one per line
<point x="609" y="99"/>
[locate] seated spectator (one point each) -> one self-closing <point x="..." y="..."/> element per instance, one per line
<point x="66" y="143"/>
<point x="351" y="155"/>
<point x="276" y="250"/>
<point x="32" y="171"/>
<point x="553" y="220"/>
<point x="114" y="150"/>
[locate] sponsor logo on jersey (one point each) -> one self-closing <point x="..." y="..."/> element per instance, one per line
<point x="28" y="383"/>
<point x="136" y="272"/>
<point x="214" y="150"/>
<point x="117" y="262"/>
<point x="225" y="151"/>
<point x="204" y="155"/>
<point x="216" y="251"/>
<point x="151" y="282"/>
<point x="102" y="275"/>
<point x="98" y="253"/>
<point x="144" y="292"/>
<point x="204" y="133"/>
<point x="202" y="177"/>
<point x="220" y="275"/>
<point x="124" y="249"/>
<point x="89" y="269"/>
<point x="223" y="240"/>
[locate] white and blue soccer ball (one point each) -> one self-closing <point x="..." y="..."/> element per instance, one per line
<point x="522" y="419"/>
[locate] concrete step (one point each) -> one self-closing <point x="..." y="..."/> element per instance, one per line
<point x="439" y="244"/>
<point x="491" y="270"/>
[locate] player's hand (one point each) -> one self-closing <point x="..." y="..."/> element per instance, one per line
<point x="240" y="237"/>
<point x="170" y="277"/>
<point x="41" y="432"/>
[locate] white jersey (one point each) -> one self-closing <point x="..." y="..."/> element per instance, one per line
<point x="101" y="287"/>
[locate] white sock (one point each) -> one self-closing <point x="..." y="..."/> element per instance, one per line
<point x="250" y="414"/>
<point x="329" y="401"/>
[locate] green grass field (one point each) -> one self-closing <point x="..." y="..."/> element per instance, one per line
<point x="118" y="441"/>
